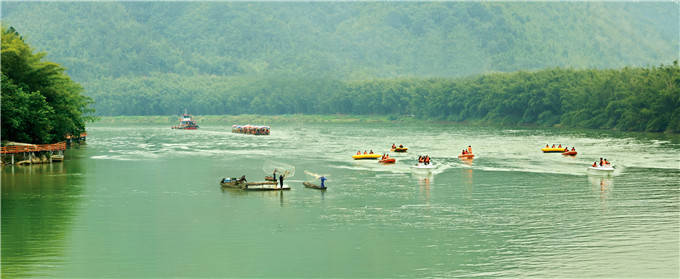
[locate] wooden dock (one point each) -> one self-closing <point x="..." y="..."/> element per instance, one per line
<point x="27" y="154"/>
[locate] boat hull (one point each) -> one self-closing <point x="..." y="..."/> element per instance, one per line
<point x="399" y="149"/>
<point x="553" y="150"/>
<point x="388" y="161"/>
<point x="313" y="186"/>
<point x="366" y="157"/>
<point x="466" y="156"/>
<point x="570" y="153"/>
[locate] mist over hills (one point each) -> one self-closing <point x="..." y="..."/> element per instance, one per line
<point x="343" y="40"/>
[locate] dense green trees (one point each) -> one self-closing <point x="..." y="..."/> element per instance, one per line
<point x="142" y="58"/>
<point x="40" y="104"/>
<point x="635" y="99"/>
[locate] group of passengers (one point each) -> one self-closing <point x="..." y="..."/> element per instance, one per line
<point x="394" y="146"/>
<point x="365" y="153"/>
<point x="566" y="148"/>
<point x="603" y="163"/>
<point x="385" y="156"/>
<point x="467" y="151"/>
<point x="424" y="159"/>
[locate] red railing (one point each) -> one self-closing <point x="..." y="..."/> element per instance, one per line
<point x="33" y="148"/>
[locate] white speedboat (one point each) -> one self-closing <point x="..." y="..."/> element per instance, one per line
<point x="605" y="168"/>
<point x="423" y="166"/>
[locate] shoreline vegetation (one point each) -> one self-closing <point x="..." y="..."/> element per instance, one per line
<point x="40" y="102"/>
<point x="256" y="119"/>
<point x="627" y="99"/>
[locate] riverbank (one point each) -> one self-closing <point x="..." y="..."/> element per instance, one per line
<point x="257" y="119"/>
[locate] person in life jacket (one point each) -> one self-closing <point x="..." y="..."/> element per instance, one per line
<point x="371" y="152"/>
<point x="606" y="162"/>
<point x="573" y="149"/>
<point x="553" y="146"/>
<point x="427" y="160"/>
<point x="401" y="146"/>
<point x="394" y="146"/>
<point x="365" y="152"/>
<point x="594" y="164"/>
<point x="600" y="161"/>
<point x="420" y="159"/>
<point x="559" y="146"/>
<point x="359" y="152"/>
<point x="546" y="146"/>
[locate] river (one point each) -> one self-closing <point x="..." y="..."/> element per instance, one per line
<point x="144" y="201"/>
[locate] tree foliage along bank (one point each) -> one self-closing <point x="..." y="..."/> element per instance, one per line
<point x="40" y="104"/>
<point x="629" y="99"/>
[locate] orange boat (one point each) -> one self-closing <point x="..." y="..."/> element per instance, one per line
<point x="466" y="156"/>
<point x="570" y="153"/>
<point x="388" y="161"/>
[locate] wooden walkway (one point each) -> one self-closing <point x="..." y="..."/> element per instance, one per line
<point x="33" y="148"/>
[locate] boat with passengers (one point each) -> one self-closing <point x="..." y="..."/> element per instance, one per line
<point x="186" y="122"/>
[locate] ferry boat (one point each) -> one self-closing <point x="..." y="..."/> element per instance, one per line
<point x="251" y="130"/>
<point x="186" y="122"/>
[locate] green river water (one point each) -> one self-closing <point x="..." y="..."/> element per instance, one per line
<point x="144" y="201"/>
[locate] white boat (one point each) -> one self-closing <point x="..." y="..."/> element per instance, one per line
<point x="424" y="166"/>
<point x="604" y="168"/>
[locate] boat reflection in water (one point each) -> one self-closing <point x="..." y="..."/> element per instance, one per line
<point x="425" y="180"/>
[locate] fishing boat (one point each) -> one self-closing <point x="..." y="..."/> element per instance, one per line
<point x="235" y="183"/>
<point x="269" y="178"/>
<point x="399" y="149"/>
<point x="366" y="156"/>
<point x="57" y="158"/>
<point x="569" y="153"/>
<point x="466" y="156"/>
<point x="554" y="149"/>
<point x="313" y="186"/>
<point x="186" y="122"/>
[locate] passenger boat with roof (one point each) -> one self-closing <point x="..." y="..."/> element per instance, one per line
<point x="186" y="122"/>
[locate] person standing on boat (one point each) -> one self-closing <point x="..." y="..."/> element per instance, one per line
<point x="469" y="149"/>
<point x="281" y="180"/>
<point x="274" y="175"/>
<point x="323" y="179"/>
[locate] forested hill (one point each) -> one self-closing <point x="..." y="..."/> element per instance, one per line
<point x="347" y="41"/>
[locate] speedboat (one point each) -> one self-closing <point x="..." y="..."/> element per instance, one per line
<point x="602" y="169"/>
<point x="421" y="166"/>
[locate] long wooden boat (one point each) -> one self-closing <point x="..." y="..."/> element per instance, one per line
<point x="269" y="178"/>
<point x="267" y="188"/>
<point x="313" y="186"/>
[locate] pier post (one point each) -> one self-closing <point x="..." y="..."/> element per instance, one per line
<point x="30" y="158"/>
<point x="12" y="158"/>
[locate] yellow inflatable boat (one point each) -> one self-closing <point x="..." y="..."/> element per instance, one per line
<point x="366" y="156"/>
<point x="553" y="150"/>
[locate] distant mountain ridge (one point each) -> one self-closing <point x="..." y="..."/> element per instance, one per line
<point x="343" y="40"/>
